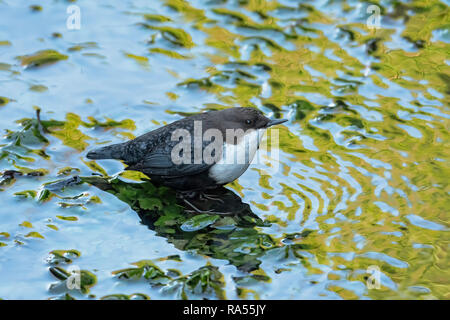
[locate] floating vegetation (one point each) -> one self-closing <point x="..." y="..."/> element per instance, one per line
<point x="4" y="234"/>
<point x="145" y="269"/>
<point x="69" y="133"/>
<point x="169" y="53"/>
<point x="68" y="281"/>
<point x="3" y="101"/>
<point x="156" y="17"/>
<point x="143" y="61"/>
<point x="67" y="218"/>
<point x="207" y="279"/>
<point x="68" y="170"/>
<point x="34" y="131"/>
<point x="38" y="88"/>
<point x="83" y="46"/>
<point x="34" y="234"/>
<point x="177" y="37"/>
<point x="62" y="256"/>
<point x="26" y="224"/>
<point x="35" y="8"/>
<point x="41" y="58"/>
<point x="109" y="123"/>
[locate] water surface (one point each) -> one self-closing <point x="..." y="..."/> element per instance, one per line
<point x="363" y="160"/>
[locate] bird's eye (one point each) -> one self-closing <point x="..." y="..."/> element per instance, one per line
<point x="248" y="121"/>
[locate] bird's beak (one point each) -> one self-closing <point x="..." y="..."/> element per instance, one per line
<point x="274" y="122"/>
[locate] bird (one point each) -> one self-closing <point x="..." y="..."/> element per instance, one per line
<point x="195" y="153"/>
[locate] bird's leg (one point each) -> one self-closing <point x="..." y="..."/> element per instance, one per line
<point x="189" y="196"/>
<point x="204" y="196"/>
<point x="201" y="195"/>
<point x="195" y="208"/>
<point x="185" y="195"/>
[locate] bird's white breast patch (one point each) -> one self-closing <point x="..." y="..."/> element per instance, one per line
<point x="236" y="158"/>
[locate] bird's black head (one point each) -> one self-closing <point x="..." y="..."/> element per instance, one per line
<point x="245" y="118"/>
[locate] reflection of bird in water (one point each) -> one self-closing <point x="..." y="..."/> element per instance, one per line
<point x="232" y="237"/>
<point x="227" y="203"/>
<point x="206" y="162"/>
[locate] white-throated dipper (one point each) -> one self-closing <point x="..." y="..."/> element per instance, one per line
<point x="195" y="153"/>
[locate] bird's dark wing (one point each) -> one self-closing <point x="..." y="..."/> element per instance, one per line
<point x="161" y="164"/>
<point x="151" y="152"/>
<point x="152" y="155"/>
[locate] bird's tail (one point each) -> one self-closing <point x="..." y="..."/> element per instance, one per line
<point x="114" y="151"/>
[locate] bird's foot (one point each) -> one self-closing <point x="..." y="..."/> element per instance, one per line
<point x="187" y="194"/>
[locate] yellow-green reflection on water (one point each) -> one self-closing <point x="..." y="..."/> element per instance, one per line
<point x="363" y="177"/>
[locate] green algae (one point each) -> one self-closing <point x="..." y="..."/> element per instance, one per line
<point x="3" y="101"/>
<point x="41" y="58"/>
<point x="169" y="53"/>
